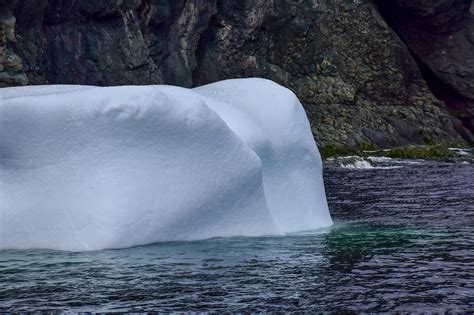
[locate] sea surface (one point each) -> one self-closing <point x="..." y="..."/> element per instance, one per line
<point x="403" y="240"/>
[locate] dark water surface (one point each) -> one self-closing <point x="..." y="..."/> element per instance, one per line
<point x="403" y="240"/>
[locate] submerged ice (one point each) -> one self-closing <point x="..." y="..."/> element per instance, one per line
<point x="85" y="168"/>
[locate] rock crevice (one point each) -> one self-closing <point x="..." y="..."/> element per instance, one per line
<point x="440" y="34"/>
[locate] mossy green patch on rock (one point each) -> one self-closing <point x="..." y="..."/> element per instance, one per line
<point x="420" y="152"/>
<point x="334" y="150"/>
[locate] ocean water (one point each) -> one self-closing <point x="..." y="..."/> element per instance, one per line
<point x="403" y="240"/>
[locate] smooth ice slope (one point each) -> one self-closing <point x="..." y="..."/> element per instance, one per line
<point x="271" y="120"/>
<point x="86" y="168"/>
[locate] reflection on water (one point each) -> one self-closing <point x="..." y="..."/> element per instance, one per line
<point x="403" y="241"/>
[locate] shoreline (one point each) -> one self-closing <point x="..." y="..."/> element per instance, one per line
<point x="428" y="152"/>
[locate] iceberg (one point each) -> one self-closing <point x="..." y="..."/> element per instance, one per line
<point x="88" y="168"/>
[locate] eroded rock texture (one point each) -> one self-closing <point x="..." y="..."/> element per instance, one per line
<point x="441" y="35"/>
<point x="356" y="78"/>
<point x="11" y="68"/>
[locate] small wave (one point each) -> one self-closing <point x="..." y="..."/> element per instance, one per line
<point x="388" y="160"/>
<point x="380" y="159"/>
<point x="460" y="151"/>
<point x="357" y="162"/>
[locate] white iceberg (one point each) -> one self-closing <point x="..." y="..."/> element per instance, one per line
<point x="86" y="168"/>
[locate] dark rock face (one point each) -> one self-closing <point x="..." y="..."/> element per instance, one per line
<point x="356" y="78"/>
<point x="441" y="34"/>
<point x="358" y="82"/>
<point x="85" y="42"/>
<point x="111" y="42"/>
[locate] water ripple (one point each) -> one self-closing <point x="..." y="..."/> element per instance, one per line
<point x="403" y="241"/>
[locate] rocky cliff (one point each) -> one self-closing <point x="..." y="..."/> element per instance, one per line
<point x="440" y="33"/>
<point x="363" y="81"/>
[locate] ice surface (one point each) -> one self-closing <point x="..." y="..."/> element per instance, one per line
<point x="271" y="120"/>
<point x="84" y="168"/>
